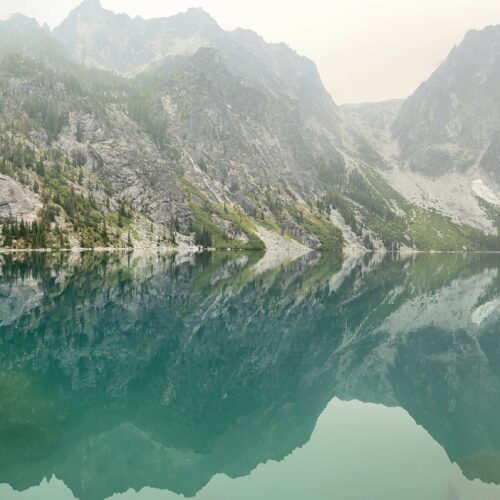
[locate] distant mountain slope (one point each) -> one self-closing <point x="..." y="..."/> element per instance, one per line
<point x="23" y="35"/>
<point x="452" y="121"/>
<point x="374" y="118"/>
<point x="442" y="143"/>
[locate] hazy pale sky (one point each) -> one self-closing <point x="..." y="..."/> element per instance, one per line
<point x="366" y="50"/>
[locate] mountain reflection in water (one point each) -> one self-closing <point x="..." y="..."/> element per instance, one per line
<point x="206" y="375"/>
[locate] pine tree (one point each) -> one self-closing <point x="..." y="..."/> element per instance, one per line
<point x="367" y="242"/>
<point x="105" y="236"/>
<point x="203" y="238"/>
<point x="79" y="132"/>
<point x="40" y="168"/>
<point x="23" y="231"/>
<point x="7" y="234"/>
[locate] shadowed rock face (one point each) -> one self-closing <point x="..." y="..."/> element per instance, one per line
<point x="145" y="371"/>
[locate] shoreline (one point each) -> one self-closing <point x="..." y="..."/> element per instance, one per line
<point x="185" y="250"/>
<point x="169" y="250"/>
<point x="411" y="252"/>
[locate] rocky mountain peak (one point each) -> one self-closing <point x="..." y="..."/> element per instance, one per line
<point x="87" y="11"/>
<point x="100" y="38"/>
<point x="90" y="6"/>
<point x="21" y="22"/>
<point x="193" y="20"/>
<point x="451" y="119"/>
<point x="199" y="13"/>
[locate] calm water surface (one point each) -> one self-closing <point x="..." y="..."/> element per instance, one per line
<point x="249" y="377"/>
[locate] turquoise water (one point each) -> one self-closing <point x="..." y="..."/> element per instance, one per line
<point x="243" y="376"/>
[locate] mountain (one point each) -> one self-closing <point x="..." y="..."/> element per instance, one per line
<point x="60" y="131"/>
<point x="443" y="141"/>
<point x="375" y="119"/>
<point x="100" y="38"/>
<point x="452" y="121"/>
<point x="173" y="131"/>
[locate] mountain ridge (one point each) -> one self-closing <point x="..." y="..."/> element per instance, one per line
<point x="197" y="130"/>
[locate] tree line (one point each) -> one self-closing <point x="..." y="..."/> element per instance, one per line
<point x="36" y="234"/>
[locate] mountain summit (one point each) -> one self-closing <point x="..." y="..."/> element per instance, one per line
<point x="115" y="42"/>
<point x="89" y="6"/>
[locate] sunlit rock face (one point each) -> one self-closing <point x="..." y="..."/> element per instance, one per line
<point x="208" y="366"/>
<point x="17" y="201"/>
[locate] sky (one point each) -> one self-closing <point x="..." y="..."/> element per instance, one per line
<point x="365" y="50"/>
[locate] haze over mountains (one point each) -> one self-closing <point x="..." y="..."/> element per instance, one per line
<point x="163" y="128"/>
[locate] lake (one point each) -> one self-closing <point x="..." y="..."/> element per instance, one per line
<point x="248" y="376"/>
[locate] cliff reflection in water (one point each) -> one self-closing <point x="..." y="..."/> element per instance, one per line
<point x="125" y="371"/>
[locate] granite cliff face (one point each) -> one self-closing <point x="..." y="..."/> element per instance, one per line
<point x="232" y="99"/>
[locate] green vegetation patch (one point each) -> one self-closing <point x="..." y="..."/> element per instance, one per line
<point x="203" y="222"/>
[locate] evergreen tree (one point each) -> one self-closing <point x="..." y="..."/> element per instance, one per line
<point x="79" y="132"/>
<point x="203" y="238"/>
<point x="40" y="168"/>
